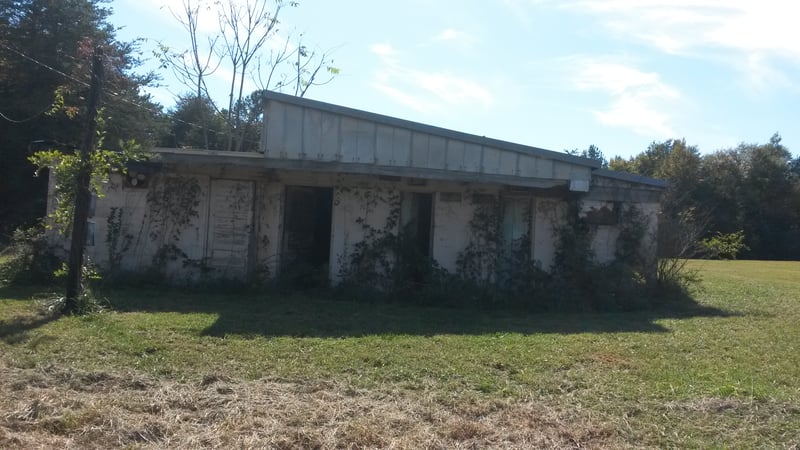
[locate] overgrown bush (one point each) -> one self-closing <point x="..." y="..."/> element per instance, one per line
<point x="29" y="259"/>
<point x="675" y="277"/>
<point x="574" y="263"/>
<point x="390" y="266"/>
<point x="724" y="246"/>
<point x="495" y="271"/>
<point x="582" y="283"/>
<point x="679" y="241"/>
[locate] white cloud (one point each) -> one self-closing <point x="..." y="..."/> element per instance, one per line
<point x="521" y="9"/>
<point x="449" y="34"/>
<point x="417" y="103"/>
<point x="455" y="36"/>
<point x="425" y="91"/>
<point x="383" y="50"/>
<point x="737" y="32"/>
<point x="636" y="113"/>
<point x="636" y="98"/>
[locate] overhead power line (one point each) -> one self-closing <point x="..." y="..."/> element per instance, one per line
<point x="117" y="95"/>
<point x="27" y="119"/>
<point x="46" y="66"/>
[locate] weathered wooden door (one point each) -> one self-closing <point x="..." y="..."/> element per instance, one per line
<point x="230" y="225"/>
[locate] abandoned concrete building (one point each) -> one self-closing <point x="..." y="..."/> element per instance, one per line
<point x="326" y="175"/>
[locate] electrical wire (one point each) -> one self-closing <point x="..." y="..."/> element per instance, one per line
<point x="28" y="119"/>
<point x="39" y="63"/>
<point x="117" y="95"/>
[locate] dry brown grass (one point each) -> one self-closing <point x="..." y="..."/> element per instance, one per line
<point x="55" y="407"/>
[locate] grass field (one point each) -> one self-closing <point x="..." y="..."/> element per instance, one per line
<point x="171" y="369"/>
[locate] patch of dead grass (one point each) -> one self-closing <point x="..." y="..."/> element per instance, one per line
<point x="59" y="408"/>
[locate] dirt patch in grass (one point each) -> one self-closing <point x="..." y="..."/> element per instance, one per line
<point x="54" y="407"/>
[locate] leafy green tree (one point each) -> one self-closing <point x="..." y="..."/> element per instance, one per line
<point x="592" y="152"/>
<point x="751" y="191"/>
<point x="724" y="246"/>
<point x="719" y="186"/>
<point x="669" y="160"/>
<point x="45" y="52"/>
<point x="250" y="110"/>
<point x="186" y="129"/>
<point x="770" y="200"/>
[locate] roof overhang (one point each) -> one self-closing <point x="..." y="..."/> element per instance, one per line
<point x="248" y="160"/>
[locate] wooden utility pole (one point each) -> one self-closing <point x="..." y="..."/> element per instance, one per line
<point x="82" y="194"/>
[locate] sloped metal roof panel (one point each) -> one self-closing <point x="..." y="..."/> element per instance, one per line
<point x="299" y="129"/>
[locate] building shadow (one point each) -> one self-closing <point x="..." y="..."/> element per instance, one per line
<point x="306" y="315"/>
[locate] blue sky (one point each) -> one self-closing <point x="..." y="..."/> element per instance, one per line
<point x="558" y="75"/>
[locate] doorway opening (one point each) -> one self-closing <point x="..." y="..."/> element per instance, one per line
<point x="307" y="235"/>
<point x="417" y="220"/>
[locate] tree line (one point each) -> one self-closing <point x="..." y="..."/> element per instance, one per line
<point x="742" y="201"/>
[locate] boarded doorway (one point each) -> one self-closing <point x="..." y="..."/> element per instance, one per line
<point x="307" y="233"/>
<point x="229" y="227"/>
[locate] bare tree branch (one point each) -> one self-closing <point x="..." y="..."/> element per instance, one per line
<point x="251" y="49"/>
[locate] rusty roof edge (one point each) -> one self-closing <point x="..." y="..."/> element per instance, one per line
<point x="431" y="129"/>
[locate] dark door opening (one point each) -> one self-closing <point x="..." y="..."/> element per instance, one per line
<point x="417" y="217"/>
<point x="307" y="233"/>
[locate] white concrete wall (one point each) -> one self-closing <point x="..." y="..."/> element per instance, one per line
<point x="148" y="232"/>
<point x="604" y="241"/>
<point x="354" y="208"/>
<point x="355" y="197"/>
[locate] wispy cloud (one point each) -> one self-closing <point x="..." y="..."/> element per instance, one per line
<point x="424" y="91"/>
<point x="207" y="19"/>
<point x="455" y="36"/>
<point x="738" y="32"/>
<point x="383" y="50"/>
<point x="636" y="98"/>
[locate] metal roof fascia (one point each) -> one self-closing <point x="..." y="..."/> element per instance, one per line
<point x="430" y="129"/>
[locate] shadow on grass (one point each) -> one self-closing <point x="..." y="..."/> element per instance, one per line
<point x="16" y="329"/>
<point x="299" y="315"/>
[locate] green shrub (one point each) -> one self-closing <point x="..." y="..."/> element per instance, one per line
<point x="675" y="277"/>
<point x="29" y="258"/>
<point x="724" y="246"/>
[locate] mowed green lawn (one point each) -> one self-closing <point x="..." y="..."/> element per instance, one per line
<point x="722" y="373"/>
